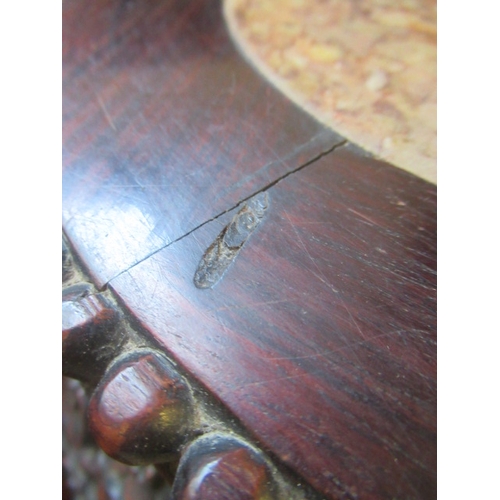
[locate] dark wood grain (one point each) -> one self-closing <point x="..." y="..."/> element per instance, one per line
<point x="67" y="263"/>
<point x="321" y="336"/>
<point x="221" y="467"/>
<point x="142" y="410"/>
<point x="164" y="127"/>
<point x="90" y="336"/>
<point x="88" y="473"/>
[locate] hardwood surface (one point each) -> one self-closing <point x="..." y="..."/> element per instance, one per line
<point x="320" y="336"/>
<point x="164" y="127"/>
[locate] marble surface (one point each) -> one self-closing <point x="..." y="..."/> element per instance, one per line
<point x="366" y="68"/>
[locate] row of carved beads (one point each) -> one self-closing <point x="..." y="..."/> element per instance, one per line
<point x="142" y="410"/>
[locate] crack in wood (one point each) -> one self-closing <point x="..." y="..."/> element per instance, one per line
<point x="330" y="150"/>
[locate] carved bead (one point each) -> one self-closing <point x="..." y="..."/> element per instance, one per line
<point x="224" y="468"/>
<point x="142" y="410"/>
<point x="90" y="339"/>
<point x="67" y="263"/>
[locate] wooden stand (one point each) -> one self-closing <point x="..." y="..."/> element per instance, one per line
<point x="308" y="369"/>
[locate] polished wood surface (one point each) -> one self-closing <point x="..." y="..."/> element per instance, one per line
<point x="164" y="127"/>
<point x="141" y="409"/>
<point x="211" y="468"/>
<point x="319" y="335"/>
<point x="88" y="473"/>
<point x="88" y="326"/>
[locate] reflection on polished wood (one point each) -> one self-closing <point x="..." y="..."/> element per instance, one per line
<point x="321" y="337"/>
<point x="164" y="127"/>
<point x="316" y="348"/>
<point x="142" y="410"/>
<point x="89" y="337"/>
<point x="222" y="467"/>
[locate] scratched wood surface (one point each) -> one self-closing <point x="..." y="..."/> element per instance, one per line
<point x="320" y="338"/>
<point x="321" y="335"/>
<point x="164" y="127"/>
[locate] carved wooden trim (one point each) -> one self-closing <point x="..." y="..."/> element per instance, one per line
<point x="142" y="410"/>
<point x="217" y="463"/>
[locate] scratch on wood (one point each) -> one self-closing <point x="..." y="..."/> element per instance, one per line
<point x="363" y="216"/>
<point x="352" y="318"/>
<point x="334" y="351"/>
<point x="105" y="111"/>
<point x="252" y="305"/>
<point x="321" y="277"/>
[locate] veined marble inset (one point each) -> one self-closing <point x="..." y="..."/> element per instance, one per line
<point x="365" y="68"/>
